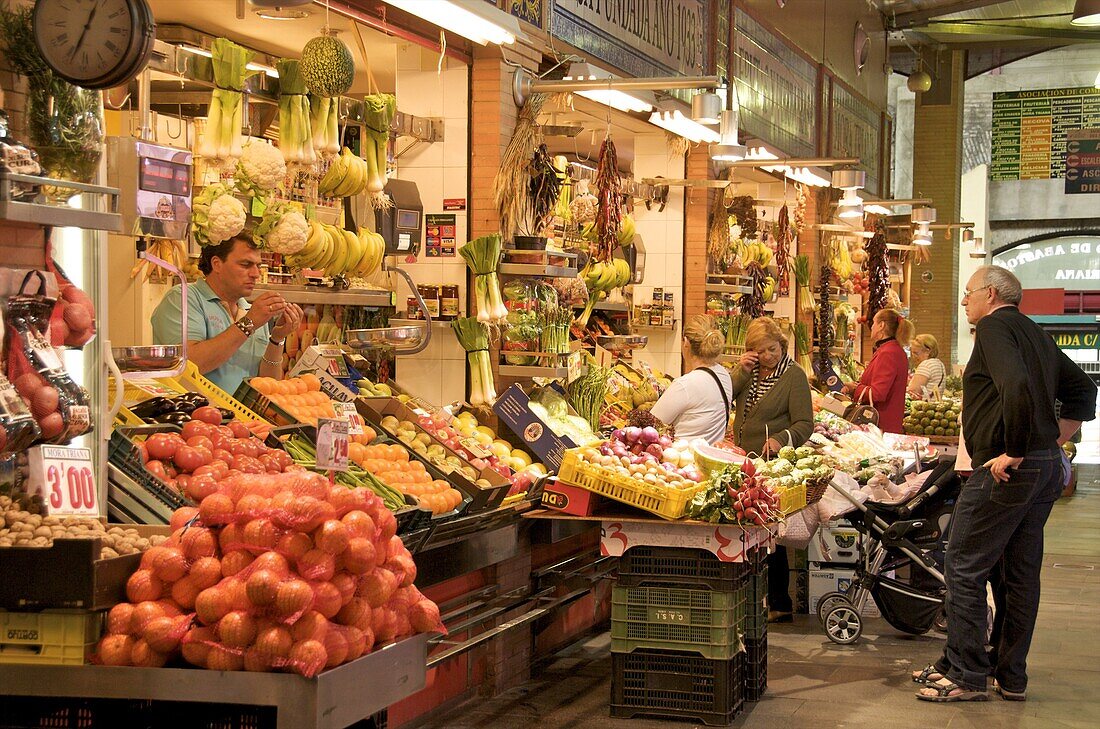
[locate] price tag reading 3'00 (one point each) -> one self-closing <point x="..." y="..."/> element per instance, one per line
<point x="64" y="478"/>
<point x="332" y="444"/>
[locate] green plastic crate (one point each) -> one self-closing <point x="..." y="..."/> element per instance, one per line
<point x="708" y="622"/>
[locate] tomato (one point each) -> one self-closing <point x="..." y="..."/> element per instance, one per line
<point x="157" y="469"/>
<point x="223" y="455"/>
<point x="207" y="456"/>
<point x="219" y="441"/>
<point x="248" y="464"/>
<point x="161" y="446"/>
<point x="240" y="430"/>
<point x="195" y="427"/>
<point x="202" y="486"/>
<point x="207" y="414"/>
<point x="200" y="441"/>
<point x="271" y="463"/>
<point x="188" y="459"/>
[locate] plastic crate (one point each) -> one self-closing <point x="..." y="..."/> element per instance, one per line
<point x="134" y="394"/>
<point x="707" y="622"/>
<point x="122" y="454"/>
<point x="42" y="712"/>
<point x="792" y="499"/>
<point x="647" y="565"/>
<point x="61" y="637"/>
<point x="676" y="685"/>
<point x="663" y="501"/>
<point x="754" y="667"/>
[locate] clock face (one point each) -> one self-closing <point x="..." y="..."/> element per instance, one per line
<point x="93" y="43"/>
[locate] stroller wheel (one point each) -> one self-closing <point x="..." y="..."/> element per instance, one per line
<point x="828" y="601"/>
<point x="940" y="623"/>
<point x="843" y="625"/>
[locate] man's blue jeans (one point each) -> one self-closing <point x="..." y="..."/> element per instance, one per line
<point x="994" y="521"/>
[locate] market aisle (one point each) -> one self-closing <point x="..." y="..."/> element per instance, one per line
<point x="815" y="684"/>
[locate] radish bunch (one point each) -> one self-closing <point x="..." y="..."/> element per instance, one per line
<point x="754" y="503"/>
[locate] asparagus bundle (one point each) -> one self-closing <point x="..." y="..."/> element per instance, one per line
<point x="474" y="338"/>
<point x="554" y="322"/>
<point x="482" y="256"/>
<point x="738" y="325"/>
<point x="587" y="393"/>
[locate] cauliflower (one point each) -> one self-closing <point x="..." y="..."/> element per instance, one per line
<point x="216" y="215"/>
<point x="260" y="169"/>
<point x="283" y="229"/>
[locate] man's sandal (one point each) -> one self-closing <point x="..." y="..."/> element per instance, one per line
<point x="929" y="674"/>
<point x="944" y="693"/>
<point x="1009" y="695"/>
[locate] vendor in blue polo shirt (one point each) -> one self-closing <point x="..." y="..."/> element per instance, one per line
<point x="228" y="339"/>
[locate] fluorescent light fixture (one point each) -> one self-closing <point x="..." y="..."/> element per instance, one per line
<point x="850" y="205"/>
<point x="808" y="176"/>
<point x="876" y="209"/>
<point x="261" y="67"/>
<point x="196" y="50"/>
<point x="706" y="107"/>
<point x="1086" y="12"/>
<point x="677" y="123"/>
<point x="762" y="153"/>
<point x="636" y="101"/>
<point x="477" y="21"/>
<point x="728" y="149"/>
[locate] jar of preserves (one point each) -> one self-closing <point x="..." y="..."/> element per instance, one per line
<point x="448" y="302"/>
<point x="430" y="294"/>
<point x="412" y="309"/>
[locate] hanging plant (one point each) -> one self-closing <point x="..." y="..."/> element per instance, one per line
<point x="783" y="239"/>
<point x="743" y="207"/>
<point x="510" y="183"/>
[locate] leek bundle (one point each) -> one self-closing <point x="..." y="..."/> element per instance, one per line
<point x="378" y="115"/>
<point x="474" y="338"/>
<point x="482" y="256"/>
<point x="295" y="135"/>
<point x="222" y="140"/>
<point x="802" y="278"/>
<point x="324" y="118"/>
<point x="802" y="346"/>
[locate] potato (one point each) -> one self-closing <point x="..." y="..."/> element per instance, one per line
<point x="107" y="553"/>
<point x="116" y="530"/>
<point x="125" y="549"/>
<point x="40" y="542"/>
<point x="6" y="542"/>
<point x="51" y="521"/>
<point x="11" y="517"/>
<point x="5" y="502"/>
<point x="142" y="544"/>
<point x="43" y="531"/>
<point x="21" y="537"/>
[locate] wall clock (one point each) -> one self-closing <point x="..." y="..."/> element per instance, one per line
<point x="95" y="44"/>
<point x="861" y="47"/>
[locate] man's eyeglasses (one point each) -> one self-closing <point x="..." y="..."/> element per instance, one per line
<point x="968" y="292"/>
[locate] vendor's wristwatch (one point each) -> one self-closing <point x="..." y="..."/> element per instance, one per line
<point x="246" y="325"/>
<point x="276" y="342"/>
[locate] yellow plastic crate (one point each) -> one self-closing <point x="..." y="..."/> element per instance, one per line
<point x="663" y="501"/>
<point x="133" y="393"/>
<point x="55" y="637"/>
<point x="193" y="380"/>
<point x="792" y="499"/>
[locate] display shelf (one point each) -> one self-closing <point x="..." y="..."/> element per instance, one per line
<point x="331" y="700"/>
<point x="61" y="216"/>
<point x="553" y="373"/>
<point x="404" y="322"/>
<point x="720" y="288"/>
<point x="327" y="295"/>
<point x="537" y="269"/>
<point x="609" y="306"/>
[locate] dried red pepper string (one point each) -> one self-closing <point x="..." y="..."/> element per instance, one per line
<point x="609" y="205"/>
<point x="878" y="271"/>
<point x="783" y="250"/>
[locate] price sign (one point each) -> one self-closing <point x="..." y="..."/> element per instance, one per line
<point x="332" y="444"/>
<point x="347" y="411"/>
<point x="575" y="366"/>
<point x="64" y="478"/>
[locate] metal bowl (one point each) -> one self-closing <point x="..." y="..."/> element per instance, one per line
<point x="622" y="343"/>
<point x="147" y="359"/>
<point x="396" y="338"/>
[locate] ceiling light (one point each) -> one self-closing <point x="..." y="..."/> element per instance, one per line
<point x="850" y="205"/>
<point x="807" y="176"/>
<point x="923" y="215"/>
<point x="706" y="107"/>
<point x="477" y="21"/>
<point x="637" y="101"/>
<point x="728" y="149"/>
<point x="1086" y="12"/>
<point x="876" y="209"/>
<point x="279" y="3"/>
<point x="677" y="123"/>
<point x="253" y="66"/>
<point x="761" y="153"/>
<point x="967" y="235"/>
<point x="919" y="81"/>
<point x="849" y="179"/>
<point x="979" y="249"/>
<point x="196" y="50"/>
<point x="922" y="236"/>
<point x="281" y="13"/>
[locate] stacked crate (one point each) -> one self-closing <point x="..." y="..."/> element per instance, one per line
<point x="755" y="657"/>
<point x="678" y="624"/>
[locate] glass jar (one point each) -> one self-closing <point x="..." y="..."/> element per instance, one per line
<point x="412" y="309"/>
<point x="430" y="294"/>
<point x="65" y="126"/>
<point x="448" y="302"/>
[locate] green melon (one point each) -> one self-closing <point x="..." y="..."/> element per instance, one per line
<point x="327" y="66"/>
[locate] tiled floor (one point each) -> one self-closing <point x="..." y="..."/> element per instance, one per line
<point x="815" y="684"/>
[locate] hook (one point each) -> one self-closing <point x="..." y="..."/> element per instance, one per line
<point x="168" y="130"/>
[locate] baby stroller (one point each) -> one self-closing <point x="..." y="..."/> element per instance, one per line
<point x="907" y="541"/>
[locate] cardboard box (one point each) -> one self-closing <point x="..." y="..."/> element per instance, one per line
<point x="827" y="578"/>
<point x="569" y="499"/>
<point x="836" y="543"/>
<point x="513" y="409"/>
<point x="727" y="542"/>
<point x="327" y="362"/>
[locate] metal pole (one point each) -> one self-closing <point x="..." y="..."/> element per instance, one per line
<point x="654" y="83"/>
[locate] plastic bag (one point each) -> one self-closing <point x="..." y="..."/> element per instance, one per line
<point x="17" y="427"/>
<point x="72" y="321"/>
<point x="59" y="405"/>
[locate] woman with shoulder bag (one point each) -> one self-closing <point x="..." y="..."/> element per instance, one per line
<point x="698" y="402"/>
<point x="773" y="410"/>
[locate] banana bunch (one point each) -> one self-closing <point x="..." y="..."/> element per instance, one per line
<point x="337" y="251"/>
<point x="626" y="232"/>
<point x="347" y="176"/>
<point x="758" y="253"/>
<point x="769" y="288"/>
<point x="840" y="260"/>
<point x="607" y="276"/>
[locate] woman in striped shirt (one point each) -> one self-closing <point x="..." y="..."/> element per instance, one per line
<point x="930" y="373"/>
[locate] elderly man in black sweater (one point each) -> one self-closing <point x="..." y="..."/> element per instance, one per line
<point x="1015" y="375"/>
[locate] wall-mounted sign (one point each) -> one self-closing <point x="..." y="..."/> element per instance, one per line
<point x="776" y="87"/>
<point x="1077" y="340"/>
<point x="1082" y="161"/>
<point x="641" y="37"/>
<point x="1067" y="261"/>
<point x="527" y="10"/>
<point x="854" y="132"/>
<point x="1030" y="128"/>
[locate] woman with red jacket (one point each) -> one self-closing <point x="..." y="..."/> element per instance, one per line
<point x="883" y="382"/>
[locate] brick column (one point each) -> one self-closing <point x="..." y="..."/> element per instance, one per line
<point x="937" y="174"/>
<point x="697" y="202"/>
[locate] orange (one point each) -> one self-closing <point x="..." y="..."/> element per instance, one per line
<point x="312" y="382"/>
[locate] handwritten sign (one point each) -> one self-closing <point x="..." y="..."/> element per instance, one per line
<point x="64" y="478"/>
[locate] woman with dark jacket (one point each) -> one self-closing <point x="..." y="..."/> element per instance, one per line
<point x="773" y="410"/>
<point x="886" y="375"/>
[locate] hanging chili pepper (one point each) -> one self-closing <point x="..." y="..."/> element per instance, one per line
<point x="823" y="326"/>
<point x="783" y="238"/>
<point x="878" y="271"/>
<point x="609" y="204"/>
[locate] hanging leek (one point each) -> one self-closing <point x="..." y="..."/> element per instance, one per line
<point x="295" y="135"/>
<point x="802" y="278"/>
<point x="474" y="338"/>
<point x="482" y="255"/>
<point x="802" y="346"/>
<point x="378" y="115"/>
<point x="222" y="139"/>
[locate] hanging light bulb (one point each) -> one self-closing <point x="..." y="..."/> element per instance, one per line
<point x="729" y="149"/>
<point x="979" y="249"/>
<point x="968" y="235"/>
<point x="922" y="236"/>
<point x="706" y="107"/>
<point x="850" y="205"/>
